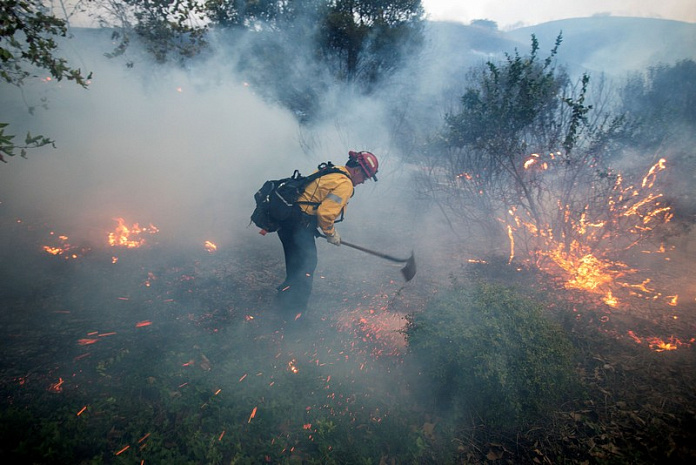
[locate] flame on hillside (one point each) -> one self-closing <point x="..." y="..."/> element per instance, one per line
<point x="582" y="244"/>
<point x="582" y="247"/>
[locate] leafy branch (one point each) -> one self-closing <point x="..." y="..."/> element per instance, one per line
<point x="8" y="147"/>
<point x="27" y="43"/>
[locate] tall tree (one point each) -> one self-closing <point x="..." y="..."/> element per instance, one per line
<point x="286" y="48"/>
<point x="169" y="29"/>
<point x="243" y="13"/>
<point x="521" y="149"/>
<point x="661" y="102"/>
<point x="363" y="39"/>
<point x="661" y="107"/>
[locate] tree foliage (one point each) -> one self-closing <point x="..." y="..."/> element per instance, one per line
<point x="361" y="39"/>
<point x="27" y="43"/>
<point x="28" y="35"/>
<point x="169" y="29"/>
<point x="277" y="55"/>
<point x="240" y="13"/>
<point x="661" y="102"/>
<point x="502" y="109"/>
<point x="9" y="147"/>
<point x="517" y="119"/>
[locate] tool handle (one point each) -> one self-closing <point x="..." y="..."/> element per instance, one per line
<point x="372" y="252"/>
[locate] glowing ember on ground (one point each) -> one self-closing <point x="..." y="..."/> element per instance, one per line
<point x="57" y="387"/>
<point x="378" y="327"/>
<point x="292" y="367"/>
<point x="660" y="345"/>
<point x="53" y="250"/>
<point x="130" y="237"/>
<point x="150" y="278"/>
<point x="65" y="249"/>
<point x="610" y="300"/>
<point x="253" y="414"/>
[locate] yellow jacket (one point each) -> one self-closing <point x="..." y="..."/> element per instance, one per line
<point x="332" y="192"/>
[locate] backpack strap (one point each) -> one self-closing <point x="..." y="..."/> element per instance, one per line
<point x="322" y="170"/>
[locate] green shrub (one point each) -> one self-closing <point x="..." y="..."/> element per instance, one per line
<point x="490" y="354"/>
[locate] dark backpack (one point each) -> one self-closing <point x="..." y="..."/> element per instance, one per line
<point x="276" y="198"/>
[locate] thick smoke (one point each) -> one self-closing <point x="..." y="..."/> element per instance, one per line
<point x="183" y="149"/>
<point x="150" y="144"/>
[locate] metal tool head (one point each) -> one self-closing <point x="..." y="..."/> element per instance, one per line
<point x="409" y="270"/>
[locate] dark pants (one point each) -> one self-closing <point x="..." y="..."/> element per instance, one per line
<point x="297" y="236"/>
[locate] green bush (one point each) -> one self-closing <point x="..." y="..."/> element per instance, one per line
<point x="490" y="354"/>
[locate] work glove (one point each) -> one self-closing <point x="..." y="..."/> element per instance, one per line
<point x="334" y="239"/>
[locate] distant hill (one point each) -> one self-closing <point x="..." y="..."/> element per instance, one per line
<point x="612" y="45"/>
<point x="615" y="45"/>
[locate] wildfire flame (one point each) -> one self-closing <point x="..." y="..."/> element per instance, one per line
<point x="587" y="246"/>
<point x="65" y="249"/>
<point x="536" y="161"/>
<point x="659" y="345"/>
<point x="130" y="237"/>
<point x="583" y="248"/>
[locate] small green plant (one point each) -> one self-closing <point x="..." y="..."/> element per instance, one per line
<point x="489" y="353"/>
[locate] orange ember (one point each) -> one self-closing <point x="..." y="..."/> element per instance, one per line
<point x="292" y="367"/>
<point x="56" y="387"/>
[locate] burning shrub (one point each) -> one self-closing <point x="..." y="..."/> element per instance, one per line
<point x="490" y="353"/>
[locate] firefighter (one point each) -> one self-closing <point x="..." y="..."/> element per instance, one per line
<point x="325" y="200"/>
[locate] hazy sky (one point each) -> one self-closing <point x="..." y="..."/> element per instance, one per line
<point x="509" y="13"/>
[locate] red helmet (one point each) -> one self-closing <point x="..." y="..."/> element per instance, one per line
<point x="367" y="161"/>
